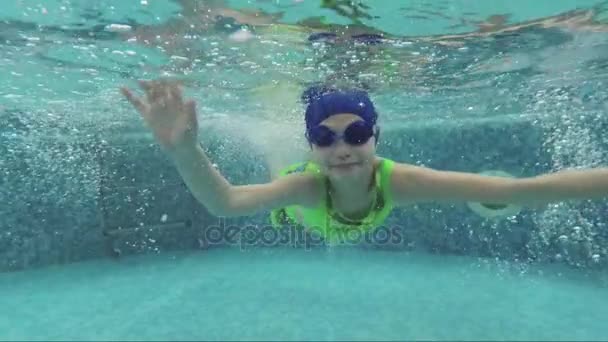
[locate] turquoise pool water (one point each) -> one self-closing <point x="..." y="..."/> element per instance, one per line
<point x="445" y="62"/>
<point x="289" y="294"/>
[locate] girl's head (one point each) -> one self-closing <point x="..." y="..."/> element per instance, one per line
<point x="341" y="129"/>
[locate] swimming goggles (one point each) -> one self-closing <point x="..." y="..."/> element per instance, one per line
<point x="357" y="133"/>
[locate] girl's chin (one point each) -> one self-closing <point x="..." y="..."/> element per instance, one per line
<point x="344" y="168"/>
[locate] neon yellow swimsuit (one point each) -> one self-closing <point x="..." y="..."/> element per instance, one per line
<point x="323" y="220"/>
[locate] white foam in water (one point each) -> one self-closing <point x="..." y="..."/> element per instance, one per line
<point x="292" y="294"/>
<point x="241" y="36"/>
<point x="280" y="142"/>
<point x="118" y="28"/>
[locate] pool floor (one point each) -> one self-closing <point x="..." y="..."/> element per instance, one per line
<point x="294" y="294"/>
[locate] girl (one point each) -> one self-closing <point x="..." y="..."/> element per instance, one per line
<point x="345" y="186"/>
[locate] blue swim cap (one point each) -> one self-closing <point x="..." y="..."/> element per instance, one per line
<point x="323" y="102"/>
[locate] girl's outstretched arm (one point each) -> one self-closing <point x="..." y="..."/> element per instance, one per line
<point x="419" y="184"/>
<point x="175" y="127"/>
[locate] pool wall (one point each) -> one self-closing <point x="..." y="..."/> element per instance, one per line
<point x="70" y="197"/>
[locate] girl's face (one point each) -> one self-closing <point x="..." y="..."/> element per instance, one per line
<point x="341" y="159"/>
